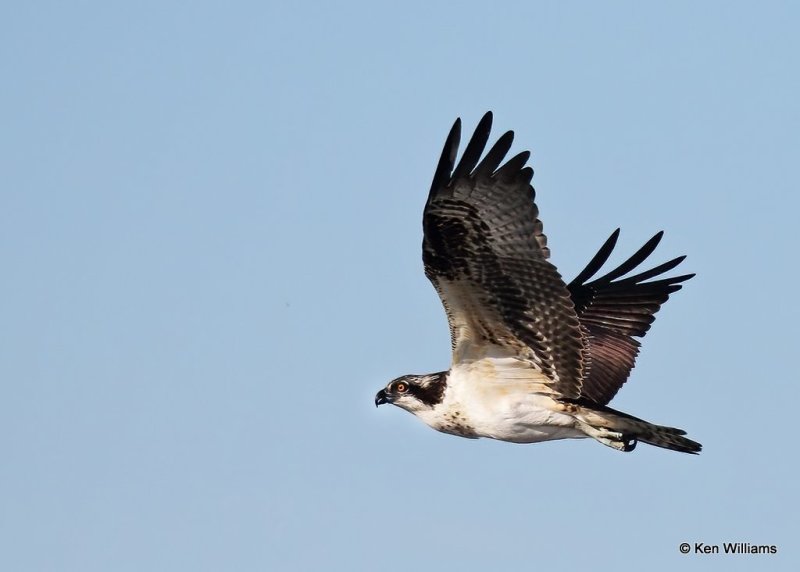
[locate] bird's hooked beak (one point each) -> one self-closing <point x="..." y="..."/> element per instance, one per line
<point x="382" y="397"/>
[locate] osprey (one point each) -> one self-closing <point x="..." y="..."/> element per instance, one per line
<point x="534" y="359"/>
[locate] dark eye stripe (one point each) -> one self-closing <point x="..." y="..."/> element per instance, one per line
<point x="432" y="391"/>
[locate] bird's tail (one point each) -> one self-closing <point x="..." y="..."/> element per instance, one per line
<point x="622" y="431"/>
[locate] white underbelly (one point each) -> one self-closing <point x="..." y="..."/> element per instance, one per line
<point x="506" y="403"/>
<point x="524" y="423"/>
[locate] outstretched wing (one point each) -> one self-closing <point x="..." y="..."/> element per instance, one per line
<point x="614" y="311"/>
<point x="486" y="255"/>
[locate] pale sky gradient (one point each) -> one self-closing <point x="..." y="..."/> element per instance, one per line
<point x="210" y="228"/>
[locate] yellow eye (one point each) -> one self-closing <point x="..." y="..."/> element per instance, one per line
<point x="401" y="387"/>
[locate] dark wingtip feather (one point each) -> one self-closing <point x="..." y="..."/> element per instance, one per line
<point x="525" y="176"/>
<point x="597" y="260"/>
<point x="635" y="260"/>
<point x="681" y="278"/>
<point x="475" y="147"/>
<point x="513" y="166"/>
<point x="448" y="158"/>
<point x="653" y="272"/>
<point x="495" y="155"/>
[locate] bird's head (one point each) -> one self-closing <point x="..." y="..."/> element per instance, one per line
<point x="414" y="393"/>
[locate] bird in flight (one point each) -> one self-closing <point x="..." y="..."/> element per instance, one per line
<point x="534" y="359"/>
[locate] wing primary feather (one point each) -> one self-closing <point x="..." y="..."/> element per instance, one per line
<point x="671" y="282"/>
<point x="525" y="176"/>
<point x="597" y="260"/>
<point x="507" y="172"/>
<point x="446" y="161"/>
<point x="660" y="269"/>
<point x="495" y="155"/>
<point x="475" y="147"/>
<point x="635" y="260"/>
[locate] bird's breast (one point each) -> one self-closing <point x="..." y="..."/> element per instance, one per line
<point x="501" y="400"/>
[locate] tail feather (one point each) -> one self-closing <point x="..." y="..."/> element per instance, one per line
<point x="622" y="431"/>
<point x="669" y="438"/>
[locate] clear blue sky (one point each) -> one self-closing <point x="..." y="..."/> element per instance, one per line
<point x="210" y="222"/>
